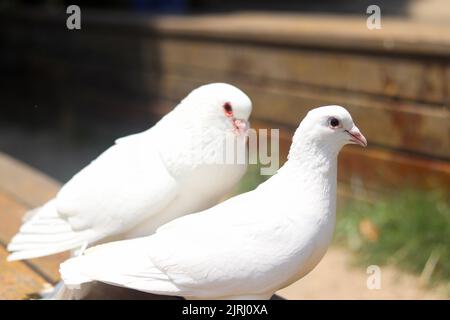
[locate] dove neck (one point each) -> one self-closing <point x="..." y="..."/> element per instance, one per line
<point x="311" y="171"/>
<point x="188" y="145"/>
<point x="308" y="156"/>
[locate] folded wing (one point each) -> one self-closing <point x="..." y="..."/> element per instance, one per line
<point x="123" y="186"/>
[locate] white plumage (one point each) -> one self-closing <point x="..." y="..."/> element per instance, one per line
<point x="145" y="179"/>
<point x="248" y="246"/>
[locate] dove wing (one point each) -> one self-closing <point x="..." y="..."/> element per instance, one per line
<point x="123" y="186"/>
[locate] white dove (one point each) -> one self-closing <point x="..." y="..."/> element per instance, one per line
<point x="145" y="179"/>
<point x="247" y="247"/>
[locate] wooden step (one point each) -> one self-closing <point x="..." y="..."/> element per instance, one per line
<point x="18" y="280"/>
<point x="21" y="189"/>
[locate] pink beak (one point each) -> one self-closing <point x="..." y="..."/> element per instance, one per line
<point x="241" y="126"/>
<point x="357" y="137"/>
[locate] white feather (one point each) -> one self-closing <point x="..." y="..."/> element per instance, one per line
<point x="142" y="181"/>
<point x="246" y="247"/>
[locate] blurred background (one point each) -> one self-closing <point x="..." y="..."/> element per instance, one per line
<point x="65" y="96"/>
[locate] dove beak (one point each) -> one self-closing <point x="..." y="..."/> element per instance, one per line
<point x="357" y="137"/>
<point x="241" y="126"/>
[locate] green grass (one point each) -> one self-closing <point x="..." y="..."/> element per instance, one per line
<point x="410" y="230"/>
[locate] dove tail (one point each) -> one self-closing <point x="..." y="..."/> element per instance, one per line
<point x="122" y="263"/>
<point x="44" y="233"/>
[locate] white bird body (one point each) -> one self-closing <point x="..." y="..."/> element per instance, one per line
<point x="202" y="182"/>
<point x="247" y="247"/>
<point x="144" y="180"/>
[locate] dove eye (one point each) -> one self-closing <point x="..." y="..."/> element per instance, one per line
<point x="228" y="109"/>
<point x="334" y="123"/>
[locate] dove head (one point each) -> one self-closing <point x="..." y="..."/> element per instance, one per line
<point x="327" y="128"/>
<point x="219" y="106"/>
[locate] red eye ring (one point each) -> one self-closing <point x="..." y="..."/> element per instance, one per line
<point x="228" y="109"/>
